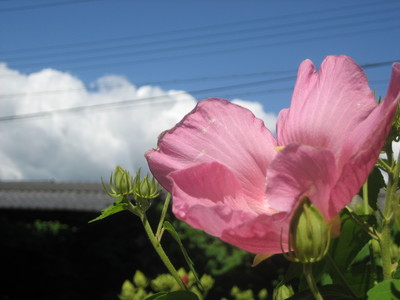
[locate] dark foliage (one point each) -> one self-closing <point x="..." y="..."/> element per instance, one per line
<point x="58" y="255"/>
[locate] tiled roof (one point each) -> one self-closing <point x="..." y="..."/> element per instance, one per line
<point x="53" y="196"/>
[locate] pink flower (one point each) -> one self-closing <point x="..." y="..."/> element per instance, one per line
<point x="228" y="178"/>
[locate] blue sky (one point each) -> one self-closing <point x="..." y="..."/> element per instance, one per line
<point x="248" y="50"/>
<point x="320" y="28"/>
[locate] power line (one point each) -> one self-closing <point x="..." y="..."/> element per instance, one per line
<point x="179" y="31"/>
<point x="231" y="49"/>
<point x="171" y="81"/>
<point x="225" y="41"/>
<point x="137" y="100"/>
<point x="43" y="5"/>
<point x="143" y="100"/>
<point x="188" y="80"/>
<point x="213" y="35"/>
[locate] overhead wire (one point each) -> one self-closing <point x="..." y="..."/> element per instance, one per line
<point x="183" y="80"/>
<point x="169" y="81"/>
<point x="198" y="28"/>
<point x="228" y="50"/>
<point x="143" y="100"/>
<point x="222" y="41"/>
<point x="218" y="35"/>
<point x="43" y="5"/>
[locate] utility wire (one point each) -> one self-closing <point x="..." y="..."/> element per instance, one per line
<point x="186" y="80"/>
<point x="143" y="100"/>
<point x="229" y="50"/>
<point x="200" y="28"/>
<point x="232" y="49"/>
<point x="171" y="81"/>
<point x="218" y="35"/>
<point x="43" y="5"/>
<point x="134" y="101"/>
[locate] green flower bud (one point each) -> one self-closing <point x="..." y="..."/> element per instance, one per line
<point x="140" y="280"/>
<point x="207" y="282"/>
<point x="164" y="283"/>
<point x="282" y="292"/>
<point x="263" y="294"/>
<point x="144" y="190"/>
<point x="121" y="183"/>
<point x="140" y="190"/>
<point x="309" y="235"/>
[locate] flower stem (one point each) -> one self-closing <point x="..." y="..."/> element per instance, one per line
<point x="157" y="245"/>
<point x="307" y="269"/>
<point x="385" y="239"/>
<point x="365" y="197"/>
<point x="160" y="251"/>
<point x="163" y="213"/>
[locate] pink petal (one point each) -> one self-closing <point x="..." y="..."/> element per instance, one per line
<point x="363" y="145"/>
<point x="263" y="234"/>
<point x="301" y="171"/>
<point x="217" y="131"/>
<point x="326" y="105"/>
<point x="209" y="197"/>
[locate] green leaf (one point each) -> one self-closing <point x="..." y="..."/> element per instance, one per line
<point x="177" y="295"/>
<point x="158" y="296"/>
<point x="360" y="278"/>
<point x="328" y="292"/>
<point x="168" y="226"/>
<point x="388" y="289"/>
<point x="351" y="240"/>
<point x="117" y="206"/>
<point x="375" y="183"/>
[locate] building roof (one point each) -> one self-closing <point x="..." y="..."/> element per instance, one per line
<point x="53" y="196"/>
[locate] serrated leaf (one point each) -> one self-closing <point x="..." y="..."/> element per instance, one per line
<point x="388" y="289"/>
<point x="117" y="206"/>
<point x="177" y="295"/>
<point x="168" y="226"/>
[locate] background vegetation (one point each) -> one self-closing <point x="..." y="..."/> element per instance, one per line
<point x="58" y="255"/>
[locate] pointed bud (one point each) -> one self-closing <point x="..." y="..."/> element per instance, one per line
<point x="144" y="190"/>
<point x="309" y="235"/>
<point x="120" y="183"/>
<point x="282" y="292"/>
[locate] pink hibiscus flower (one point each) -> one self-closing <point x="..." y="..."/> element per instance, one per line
<point x="228" y="177"/>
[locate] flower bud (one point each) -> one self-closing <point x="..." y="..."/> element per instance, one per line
<point x="140" y="279"/>
<point x="309" y="235"/>
<point x="121" y="183"/>
<point x="282" y="292"/>
<point x="144" y="190"/>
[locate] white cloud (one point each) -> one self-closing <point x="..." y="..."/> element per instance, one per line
<point x="258" y="110"/>
<point x="84" y="145"/>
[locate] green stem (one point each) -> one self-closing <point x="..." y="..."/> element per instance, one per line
<point x="307" y="269"/>
<point x="160" y="251"/>
<point x="385" y="243"/>
<point x="365" y="198"/>
<point x="383" y="165"/>
<point x="163" y="213"/>
<point x="385" y="240"/>
<point x="340" y="275"/>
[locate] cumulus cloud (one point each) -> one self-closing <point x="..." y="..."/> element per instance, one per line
<point x="85" y="144"/>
